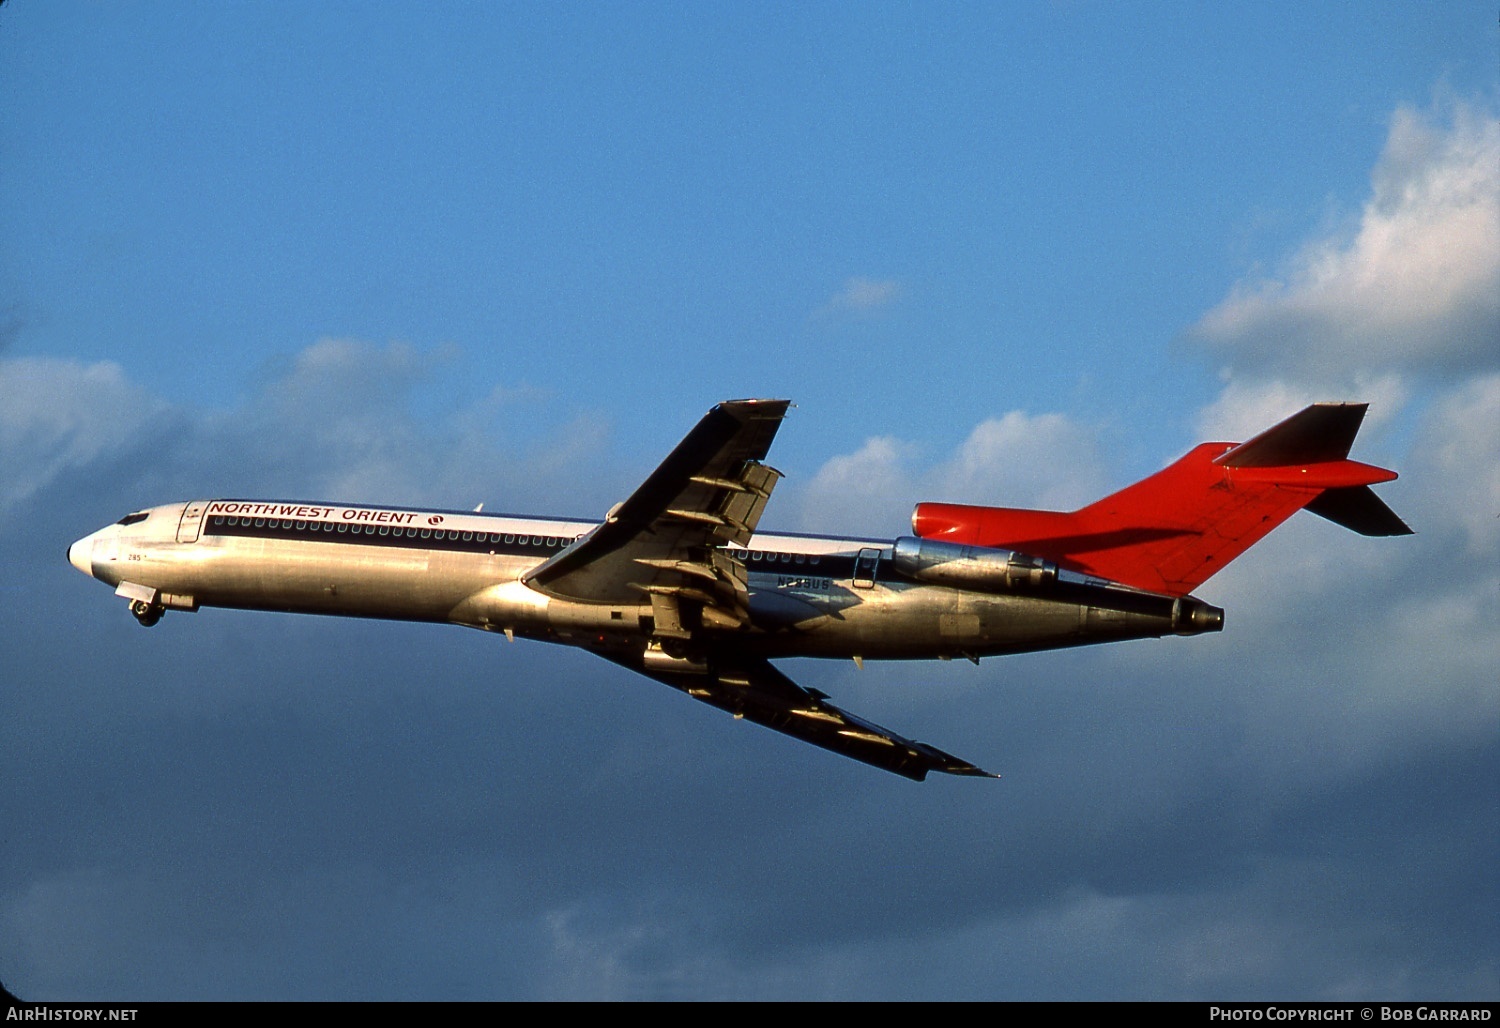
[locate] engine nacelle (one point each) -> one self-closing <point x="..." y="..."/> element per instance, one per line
<point x="969" y="567"/>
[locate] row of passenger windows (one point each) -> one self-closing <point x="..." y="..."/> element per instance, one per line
<point x="784" y="558"/>
<point x="456" y="535"/>
<point x="343" y="528"/>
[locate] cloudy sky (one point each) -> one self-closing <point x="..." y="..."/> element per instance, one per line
<point x="1019" y="253"/>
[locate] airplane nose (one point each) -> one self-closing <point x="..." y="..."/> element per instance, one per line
<point x="81" y="555"/>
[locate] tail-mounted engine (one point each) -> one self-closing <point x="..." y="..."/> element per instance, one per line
<point x="969" y="567"/>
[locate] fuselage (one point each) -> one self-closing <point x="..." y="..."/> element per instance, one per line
<point x="818" y="596"/>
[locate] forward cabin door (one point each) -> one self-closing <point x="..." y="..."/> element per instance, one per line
<point x="192" y="522"/>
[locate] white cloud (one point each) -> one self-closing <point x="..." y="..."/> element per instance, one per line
<point x="1249" y="405"/>
<point x="862" y="295"/>
<point x="1385" y="647"/>
<point x="1416" y="283"/>
<point x="1047" y="461"/>
<point x="868" y="490"/>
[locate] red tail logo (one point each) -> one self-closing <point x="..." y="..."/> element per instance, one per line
<point x="1171" y="532"/>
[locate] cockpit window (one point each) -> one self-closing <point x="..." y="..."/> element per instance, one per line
<point x="133" y="519"/>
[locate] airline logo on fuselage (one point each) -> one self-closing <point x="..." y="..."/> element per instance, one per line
<point x="306" y="512"/>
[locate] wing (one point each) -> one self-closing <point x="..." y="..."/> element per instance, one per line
<point x="751" y="688"/>
<point x="667" y="540"/>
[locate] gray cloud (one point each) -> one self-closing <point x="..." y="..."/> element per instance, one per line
<point x="57" y="415"/>
<point x="253" y="805"/>
<point x="1460" y="485"/>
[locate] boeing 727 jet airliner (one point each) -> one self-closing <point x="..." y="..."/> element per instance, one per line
<point x="678" y="584"/>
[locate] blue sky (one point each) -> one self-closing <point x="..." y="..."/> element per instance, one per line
<point x="1013" y="253"/>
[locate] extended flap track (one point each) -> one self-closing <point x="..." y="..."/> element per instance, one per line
<point x="709" y="587"/>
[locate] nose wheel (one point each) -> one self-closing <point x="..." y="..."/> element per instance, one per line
<point x="147" y="614"/>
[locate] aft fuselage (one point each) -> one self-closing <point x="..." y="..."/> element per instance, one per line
<point x="809" y="595"/>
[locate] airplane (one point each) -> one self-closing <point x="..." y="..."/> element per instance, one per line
<point x="679" y="584"/>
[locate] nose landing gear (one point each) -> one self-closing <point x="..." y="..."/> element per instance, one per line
<point x="147" y="614"/>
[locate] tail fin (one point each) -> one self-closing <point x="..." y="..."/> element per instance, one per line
<point x="1174" y="530"/>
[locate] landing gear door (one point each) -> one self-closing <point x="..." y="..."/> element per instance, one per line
<point x="864" y="568"/>
<point x="192" y="522"/>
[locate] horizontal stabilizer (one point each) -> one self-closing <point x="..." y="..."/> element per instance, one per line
<point x="1358" y="509"/>
<point x="1314" y="435"/>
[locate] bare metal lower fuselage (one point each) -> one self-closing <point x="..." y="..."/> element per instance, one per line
<point x="809" y="596"/>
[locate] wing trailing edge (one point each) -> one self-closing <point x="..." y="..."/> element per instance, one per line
<point x="666" y="542"/>
<point x="753" y="689"/>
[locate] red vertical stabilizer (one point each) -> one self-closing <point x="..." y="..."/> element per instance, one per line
<point x="1170" y="532"/>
